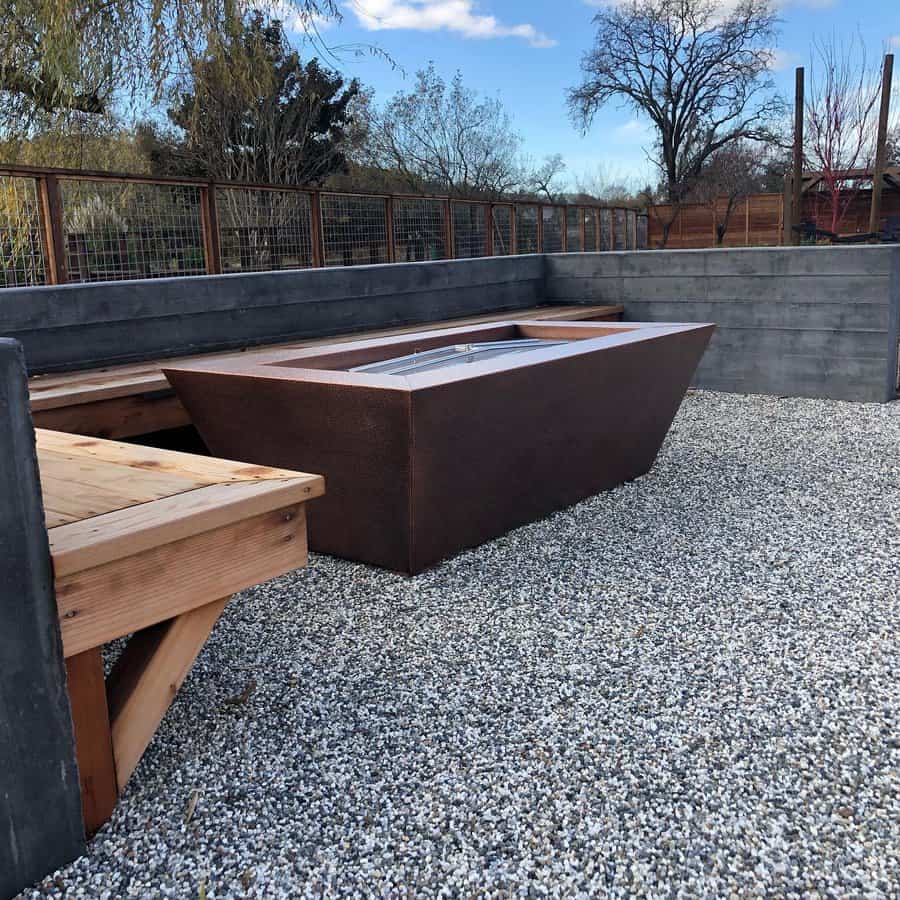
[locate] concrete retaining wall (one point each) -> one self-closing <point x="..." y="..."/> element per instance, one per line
<point x="812" y="322"/>
<point x="81" y="326"/>
<point x="804" y="321"/>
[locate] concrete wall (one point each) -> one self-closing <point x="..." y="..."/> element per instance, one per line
<point x="814" y="322"/>
<point x="80" y="326"/>
<point x="804" y="321"/>
<point x="40" y="800"/>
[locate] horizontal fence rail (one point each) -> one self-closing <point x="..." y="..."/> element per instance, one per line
<point x="62" y="225"/>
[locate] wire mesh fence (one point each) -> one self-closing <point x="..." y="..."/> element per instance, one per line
<point x="589" y="217"/>
<point x="114" y="231"/>
<point x="63" y="225"/>
<point x="264" y="230"/>
<point x="419" y="229"/>
<point x="619" y="233"/>
<point x="502" y="234"/>
<point x="354" y="229"/>
<point x="527" y="229"/>
<point x="22" y="261"/>
<point x="469" y="229"/>
<point x="574" y="219"/>
<point x="606" y="242"/>
<point x="553" y="229"/>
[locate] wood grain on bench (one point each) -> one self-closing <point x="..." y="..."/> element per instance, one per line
<point x="151" y="544"/>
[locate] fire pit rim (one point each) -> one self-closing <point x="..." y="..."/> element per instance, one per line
<point x="286" y="364"/>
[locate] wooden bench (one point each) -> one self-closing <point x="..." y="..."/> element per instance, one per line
<point x="125" y="401"/>
<point x="151" y="544"/>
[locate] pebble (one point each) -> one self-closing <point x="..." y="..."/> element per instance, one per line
<point x="687" y="686"/>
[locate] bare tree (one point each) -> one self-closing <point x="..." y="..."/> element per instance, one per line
<point x="893" y="147"/>
<point x="698" y="69"/>
<point x="729" y="176"/>
<point x="443" y="137"/>
<point x="840" y="121"/>
<point x="545" y="179"/>
<point x="600" y="184"/>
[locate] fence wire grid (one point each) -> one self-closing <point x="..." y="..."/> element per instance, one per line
<point x="115" y="231"/>
<point x="354" y="229"/>
<point x="22" y="261"/>
<point x="63" y="225"/>
<point x="264" y="230"/>
<point x="418" y="230"/>
<point x="553" y="229"/>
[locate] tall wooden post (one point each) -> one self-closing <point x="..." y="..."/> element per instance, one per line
<point x="881" y="146"/>
<point x="797" y="166"/>
<point x="489" y="230"/>
<point x="787" y="234"/>
<point x="51" y="216"/>
<point x="315" y="221"/>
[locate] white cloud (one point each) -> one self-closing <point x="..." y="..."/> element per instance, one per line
<point x="635" y="132"/>
<point x="293" y="18"/>
<point x="895" y="41"/>
<point x="436" y="15"/>
<point x="781" y="59"/>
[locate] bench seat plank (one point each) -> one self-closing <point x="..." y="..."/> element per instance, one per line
<point x="146" y="543"/>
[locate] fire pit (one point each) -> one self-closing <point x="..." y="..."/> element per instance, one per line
<point x="438" y="441"/>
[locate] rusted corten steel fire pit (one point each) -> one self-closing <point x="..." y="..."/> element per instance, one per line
<point x="433" y="442"/>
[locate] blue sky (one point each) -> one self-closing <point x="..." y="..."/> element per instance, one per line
<point x="527" y="52"/>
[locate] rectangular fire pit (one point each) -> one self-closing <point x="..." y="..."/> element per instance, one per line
<point x="437" y="441"/>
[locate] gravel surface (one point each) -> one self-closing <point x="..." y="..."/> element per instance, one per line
<point x="687" y="686"/>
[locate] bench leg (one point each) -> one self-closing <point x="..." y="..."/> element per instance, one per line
<point x="146" y="678"/>
<point x="93" y="743"/>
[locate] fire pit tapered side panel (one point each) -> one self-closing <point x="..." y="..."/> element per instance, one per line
<point x="497" y="452"/>
<point x="427" y="453"/>
<point x="359" y="440"/>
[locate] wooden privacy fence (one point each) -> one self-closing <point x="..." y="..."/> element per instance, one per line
<point x="62" y="225"/>
<point x="758" y="219"/>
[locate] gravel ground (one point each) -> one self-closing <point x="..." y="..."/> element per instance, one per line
<point x="687" y="686"/>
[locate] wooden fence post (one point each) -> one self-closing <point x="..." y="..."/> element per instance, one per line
<point x="787" y="218"/>
<point x="209" y="221"/>
<point x="797" y="165"/>
<point x="881" y="144"/>
<point x="42" y="824"/>
<point x="316" y="236"/>
<point x="51" y="216"/>
<point x="489" y="229"/>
